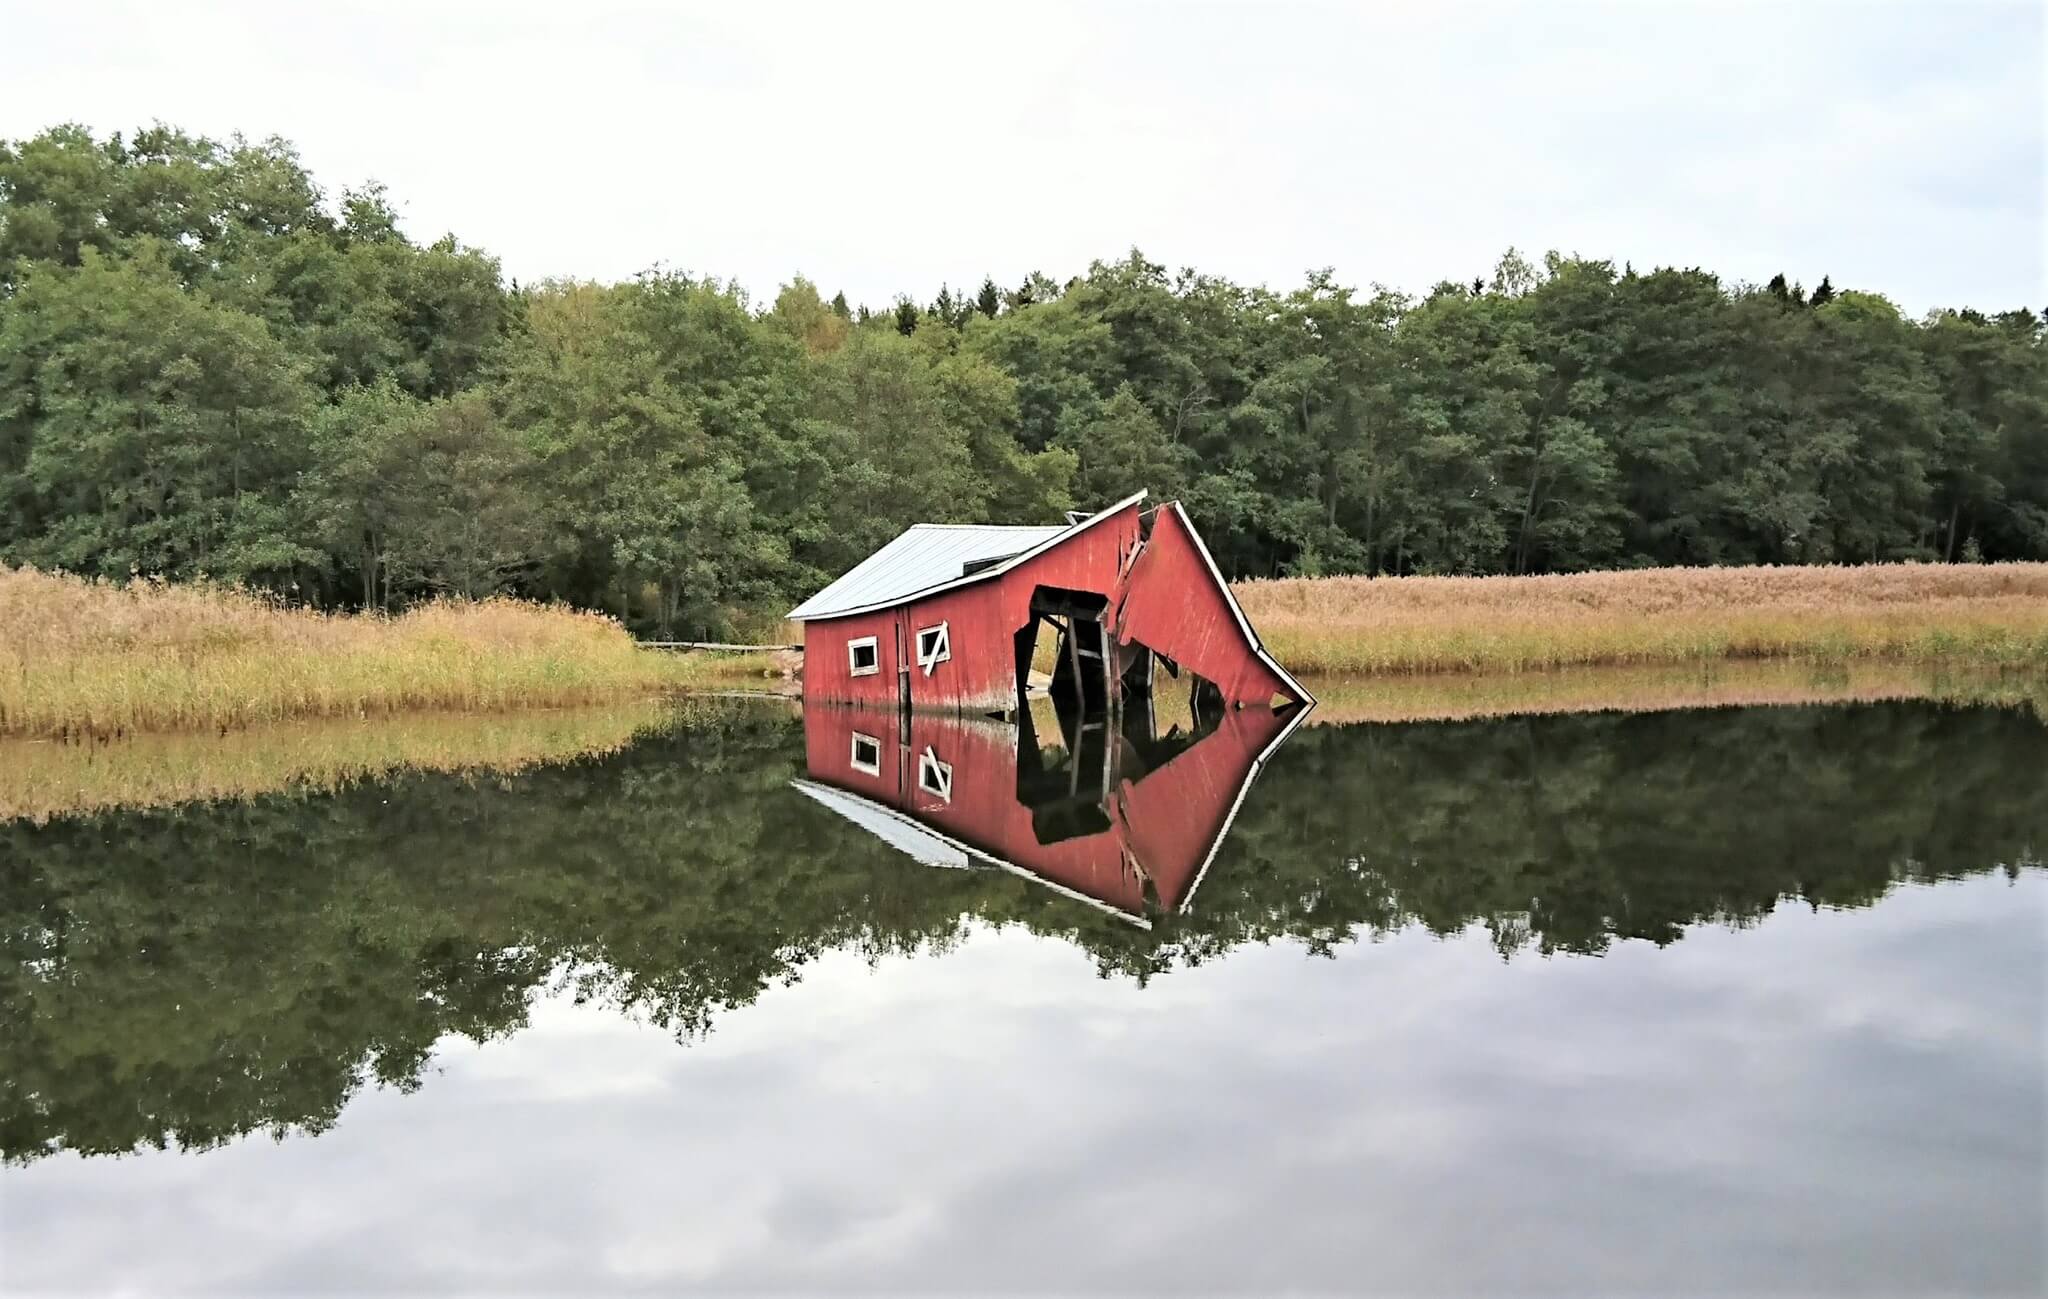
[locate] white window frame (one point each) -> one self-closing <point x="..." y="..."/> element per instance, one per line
<point x="873" y="765"/>
<point x="935" y="777"/>
<point x="941" y="650"/>
<point x="853" y="666"/>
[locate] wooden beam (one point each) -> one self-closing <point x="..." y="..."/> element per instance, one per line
<point x="712" y="645"/>
<point x="1074" y="662"/>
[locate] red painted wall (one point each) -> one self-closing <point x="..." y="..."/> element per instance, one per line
<point x="828" y="675"/>
<point x="1173" y="816"/>
<point x="1176" y="606"/>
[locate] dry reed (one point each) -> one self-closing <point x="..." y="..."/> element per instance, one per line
<point x="1664" y="687"/>
<point x="92" y="658"/>
<point x="1995" y="614"/>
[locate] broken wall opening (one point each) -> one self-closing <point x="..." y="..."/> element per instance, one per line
<point x="1161" y="698"/>
<point x="1083" y="667"/>
<point x="1064" y="779"/>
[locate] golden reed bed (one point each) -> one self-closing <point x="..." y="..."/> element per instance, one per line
<point x="80" y="658"/>
<point x="1980" y="614"/>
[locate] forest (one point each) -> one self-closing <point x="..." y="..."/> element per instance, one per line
<point x="212" y="367"/>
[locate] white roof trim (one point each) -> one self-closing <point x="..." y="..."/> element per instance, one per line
<point x="904" y="835"/>
<point x="1243" y="624"/>
<point x="993" y="570"/>
<point x="1301" y="713"/>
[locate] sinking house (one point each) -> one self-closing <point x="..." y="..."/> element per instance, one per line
<point x="1116" y="817"/>
<point x="945" y="617"/>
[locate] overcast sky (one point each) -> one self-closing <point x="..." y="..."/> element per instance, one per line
<point x="885" y="148"/>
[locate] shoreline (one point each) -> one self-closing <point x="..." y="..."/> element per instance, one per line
<point x="44" y="779"/>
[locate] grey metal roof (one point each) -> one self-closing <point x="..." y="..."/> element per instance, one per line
<point x="927" y="845"/>
<point x="928" y="556"/>
<point x="925" y="555"/>
<point x="891" y="827"/>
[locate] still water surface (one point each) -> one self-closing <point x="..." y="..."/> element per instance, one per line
<point x="1736" y="1000"/>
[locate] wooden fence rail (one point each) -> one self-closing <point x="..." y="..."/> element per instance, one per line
<point x="713" y="645"/>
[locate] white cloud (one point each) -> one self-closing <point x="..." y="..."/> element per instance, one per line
<point x="884" y="148"/>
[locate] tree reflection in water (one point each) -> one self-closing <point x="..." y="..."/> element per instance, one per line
<point x="187" y="976"/>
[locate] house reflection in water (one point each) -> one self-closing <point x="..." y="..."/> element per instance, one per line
<point x="1098" y="807"/>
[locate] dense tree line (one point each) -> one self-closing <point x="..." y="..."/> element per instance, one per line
<point x="208" y="365"/>
<point x="192" y="974"/>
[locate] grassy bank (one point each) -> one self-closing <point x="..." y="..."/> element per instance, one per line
<point x="93" y="659"/>
<point x="1975" y="614"/>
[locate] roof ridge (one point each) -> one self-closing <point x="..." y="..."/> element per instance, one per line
<point x="1006" y="527"/>
<point x="900" y="571"/>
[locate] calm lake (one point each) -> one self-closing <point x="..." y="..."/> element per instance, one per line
<point x="1734" y="1000"/>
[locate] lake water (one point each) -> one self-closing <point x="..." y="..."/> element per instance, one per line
<point x="1731" y="1000"/>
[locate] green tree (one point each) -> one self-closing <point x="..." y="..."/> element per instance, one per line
<point x="420" y="496"/>
<point x="1563" y="460"/>
<point x="1122" y="448"/>
<point x="1677" y="411"/>
<point x="1877" y="414"/>
<point x="806" y="317"/>
<point x="1992" y="379"/>
<point x="651" y="514"/>
<point x="1463" y="397"/>
<point x="152" y="431"/>
<point x="1322" y="408"/>
<point x="1060" y="360"/>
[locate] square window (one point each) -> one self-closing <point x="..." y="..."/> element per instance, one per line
<point x="867" y="754"/>
<point x="934" y="646"/>
<point x="935" y="777"/>
<point x="862" y="658"/>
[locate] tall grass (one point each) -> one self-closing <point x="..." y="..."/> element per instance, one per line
<point x="91" y="658"/>
<point x="1994" y="614"/>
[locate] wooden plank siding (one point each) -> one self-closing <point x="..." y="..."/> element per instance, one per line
<point x="1177" y="604"/>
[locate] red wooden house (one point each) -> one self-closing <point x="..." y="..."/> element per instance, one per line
<point x="944" y="617"/>
<point x="1126" y="823"/>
